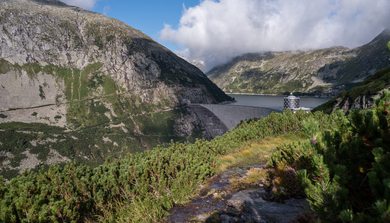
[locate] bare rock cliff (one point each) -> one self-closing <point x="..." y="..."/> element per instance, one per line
<point x="41" y="38"/>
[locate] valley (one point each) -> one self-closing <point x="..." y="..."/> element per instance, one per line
<point x="100" y="123"/>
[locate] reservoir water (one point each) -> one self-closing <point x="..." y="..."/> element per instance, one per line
<point x="275" y="102"/>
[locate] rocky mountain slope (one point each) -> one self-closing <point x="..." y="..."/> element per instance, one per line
<point x="75" y="84"/>
<point x="360" y="97"/>
<point x="320" y="72"/>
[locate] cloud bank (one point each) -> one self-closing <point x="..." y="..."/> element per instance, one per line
<point x="85" y="4"/>
<point x="216" y="31"/>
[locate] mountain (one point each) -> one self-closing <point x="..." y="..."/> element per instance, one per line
<point x="75" y="84"/>
<point x="318" y="72"/>
<point x="197" y="63"/>
<point x="360" y="97"/>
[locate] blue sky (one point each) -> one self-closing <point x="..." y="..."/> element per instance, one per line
<point x="215" y="31"/>
<point x="148" y="16"/>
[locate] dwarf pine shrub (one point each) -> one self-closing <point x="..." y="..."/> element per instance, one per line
<point x="345" y="174"/>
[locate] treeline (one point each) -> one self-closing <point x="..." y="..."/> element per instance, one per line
<point x="150" y="182"/>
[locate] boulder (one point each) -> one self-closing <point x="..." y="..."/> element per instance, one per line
<point x="253" y="208"/>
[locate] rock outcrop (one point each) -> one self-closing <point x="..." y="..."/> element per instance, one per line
<point x="322" y="72"/>
<point x="249" y="206"/>
<point x="220" y="203"/>
<point x="360" y="97"/>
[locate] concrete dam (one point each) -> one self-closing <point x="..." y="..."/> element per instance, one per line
<point x="218" y="119"/>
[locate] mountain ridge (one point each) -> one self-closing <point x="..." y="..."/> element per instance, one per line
<point x="318" y="72"/>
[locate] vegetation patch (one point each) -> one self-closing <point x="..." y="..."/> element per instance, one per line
<point x="342" y="171"/>
<point x="370" y="86"/>
<point x="41" y="93"/>
<point x="154" y="180"/>
<point x="5" y="66"/>
<point x="31" y="127"/>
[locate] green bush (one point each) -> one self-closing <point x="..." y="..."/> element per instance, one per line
<point x="345" y="173"/>
<point x="162" y="177"/>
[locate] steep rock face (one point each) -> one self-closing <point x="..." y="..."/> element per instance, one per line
<point x="70" y="37"/>
<point x="88" y="86"/>
<point x="321" y="72"/>
<point x="365" y="101"/>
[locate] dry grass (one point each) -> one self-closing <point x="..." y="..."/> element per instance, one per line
<point x="253" y="153"/>
<point x="255" y="178"/>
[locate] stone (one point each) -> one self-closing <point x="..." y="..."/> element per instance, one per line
<point x="226" y="219"/>
<point x="252" y="206"/>
<point x="202" y="217"/>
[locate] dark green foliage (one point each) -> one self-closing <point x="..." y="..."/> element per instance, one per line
<point x="31" y="127"/>
<point x="388" y="46"/>
<point x="343" y="93"/>
<point x="75" y="192"/>
<point x="3" y="116"/>
<point x="98" y="42"/>
<point x="5" y="66"/>
<point x="110" y="37"/>
<point x="288" y="159"/>
<point x="327" y="107"/>
<point x="370" y="86"/>
<point x="41" y="93"/>
<point x="344" y="172"/>
<point x="32" y="69"/>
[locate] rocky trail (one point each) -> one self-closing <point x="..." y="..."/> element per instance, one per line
<point x="218" y="202"/>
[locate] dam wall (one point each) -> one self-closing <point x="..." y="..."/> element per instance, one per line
<point x="218" y="119"/>
<point x="232" y="115"/>
<point x="212" y="124"/>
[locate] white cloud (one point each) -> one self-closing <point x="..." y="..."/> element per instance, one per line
<point x="85" y="4"/>
<point x="216" y="31"/>
<point x="106" y="9"/>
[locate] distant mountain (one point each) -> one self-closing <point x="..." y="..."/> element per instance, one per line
<point x="197" y="63"/>
<point x="75" y="84"/>
<point x="319" y="72"/>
